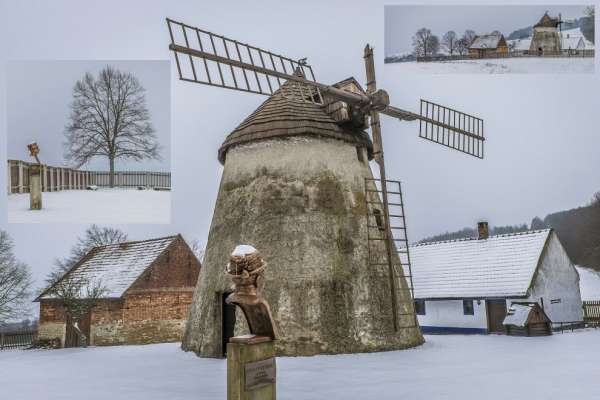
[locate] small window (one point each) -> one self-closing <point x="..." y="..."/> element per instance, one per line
<point x="468" y="307"/>
<point x="379" y="219"/>
<point x="555" y="301"/>
<point x="420" y="307"/>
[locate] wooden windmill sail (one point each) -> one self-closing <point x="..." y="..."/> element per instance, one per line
<point x="319" y="200"/>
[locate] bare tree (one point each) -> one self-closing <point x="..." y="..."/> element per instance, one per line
<point x="94" y="236"/>
<point x="496" y="33"/>
<point x="15" y="282"/>
<point x="198" y="249"/>
<point x="449" y="41"/>
<point x="425" y="43"/>
<point x="462" y="46"/>
<point x="78" y="295"/>
<point x="109" y="119"/>
<point x="469" y="36"/>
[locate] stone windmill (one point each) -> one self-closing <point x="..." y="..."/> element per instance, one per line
<point x="298" y="186"/>
<point x="546" y="36"/>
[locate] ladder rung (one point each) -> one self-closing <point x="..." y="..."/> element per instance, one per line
<point x="381" y="191"/>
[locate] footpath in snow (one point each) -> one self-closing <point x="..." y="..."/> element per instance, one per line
<point x="107" y="206"/>
<point x="529" y="65"/>
<point x="562" y="366"/>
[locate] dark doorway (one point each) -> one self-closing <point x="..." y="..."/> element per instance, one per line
<point x="227" y="322"/>
<point x="496" y="312"/>
<point x="72" y="337"/>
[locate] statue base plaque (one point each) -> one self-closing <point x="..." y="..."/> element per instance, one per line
<point x="251" y="368"/>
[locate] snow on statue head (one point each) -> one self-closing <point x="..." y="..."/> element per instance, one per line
<point x="246" y="268"/>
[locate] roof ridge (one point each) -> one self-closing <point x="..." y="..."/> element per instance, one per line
<point x="528" y="232"/>
<point x="135" y="242"/>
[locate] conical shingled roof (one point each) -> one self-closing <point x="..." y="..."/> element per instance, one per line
<point x="547" y="22"/>
<point x="285" y="114"/>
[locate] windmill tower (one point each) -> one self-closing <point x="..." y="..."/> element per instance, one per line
<point x="546" y="36"/>
<point x="298" y="186"/>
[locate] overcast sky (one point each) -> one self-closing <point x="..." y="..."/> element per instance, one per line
<point x="401" y="22"/>
<point x="541" y="154"/>
<point x="44" y="89"/>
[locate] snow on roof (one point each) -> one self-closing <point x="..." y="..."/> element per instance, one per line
<point x="517" y="315"/>
<point x="500" y="266"/>
<point x="485" y="42"/>
<point x="521" y="44"/>
<point x="117" y="266"/>
<point x="572" y="43"/>
<point x="589" y="283"/>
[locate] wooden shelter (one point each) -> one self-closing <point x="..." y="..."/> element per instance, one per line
<point x="148" y="290"/>
<point x="527" y="319"/>
<point x="493" y="45"/>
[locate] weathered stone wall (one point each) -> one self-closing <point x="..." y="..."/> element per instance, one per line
<point x="546" y="39"/>
<point x="301" y="202"/>
<point x="153" y="317"/>
<point x="52" y="321"/>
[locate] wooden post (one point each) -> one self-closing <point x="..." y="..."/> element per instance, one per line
<point x="8" y="177"/>
<point x="45" y="178"/>
<point x="20" y="176"/>
<point x="35" y="187"/>
<point x="251" y="368"/>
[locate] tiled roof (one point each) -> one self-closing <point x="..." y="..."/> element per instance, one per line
<point x="500" y="266"/>
<point x="517" y="315"/>
<point x="285" y="113"/>
<point x="117" y="266"/>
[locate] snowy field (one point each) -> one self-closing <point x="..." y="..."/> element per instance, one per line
<point x="498" y="66"/>
<point x="107" y="206"/>
<point x="562" y="366"/>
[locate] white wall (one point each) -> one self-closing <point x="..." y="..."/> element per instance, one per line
<point x="449" y="313"/>
<point x="557" y="278"/>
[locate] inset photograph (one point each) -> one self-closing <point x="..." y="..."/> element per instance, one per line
<point x="88" y="142"/>
<point x="525" y="39"/>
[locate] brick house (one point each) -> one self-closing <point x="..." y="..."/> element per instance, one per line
<point x="149" y="287"/>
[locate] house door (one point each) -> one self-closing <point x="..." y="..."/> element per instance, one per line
<point x="72" y="337"/>
<point x="227" y="322"/>
<point x="496" y="312"/>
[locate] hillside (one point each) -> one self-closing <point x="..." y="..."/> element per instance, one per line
<point x="578" y="230"/>
<point x="586" y="24"/>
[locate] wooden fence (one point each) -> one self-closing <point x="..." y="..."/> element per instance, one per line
<point x="591" y="312"/>
<point x="16" y="340"/>
<point x="512" y="54"/>
<point x="60" y="178"/>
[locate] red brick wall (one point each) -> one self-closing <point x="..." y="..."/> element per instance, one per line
<point x="175" y="268"/>
<point x="51" y="311"/>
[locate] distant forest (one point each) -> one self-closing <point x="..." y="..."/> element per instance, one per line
<point x="578" y="230"/>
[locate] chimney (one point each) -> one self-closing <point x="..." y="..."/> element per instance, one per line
<point x="483" y="230"/>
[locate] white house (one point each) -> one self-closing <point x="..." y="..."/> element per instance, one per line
<point x="467" y="285"/>
<point x="589" y="284"/>
<point x="574" y="39"/>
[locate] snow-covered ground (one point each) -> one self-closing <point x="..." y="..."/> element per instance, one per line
<point x="108" y="206"/>
<point x="497" y="66"/>
<point x="562" y="366"/>
<point x="589" y="283"/>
